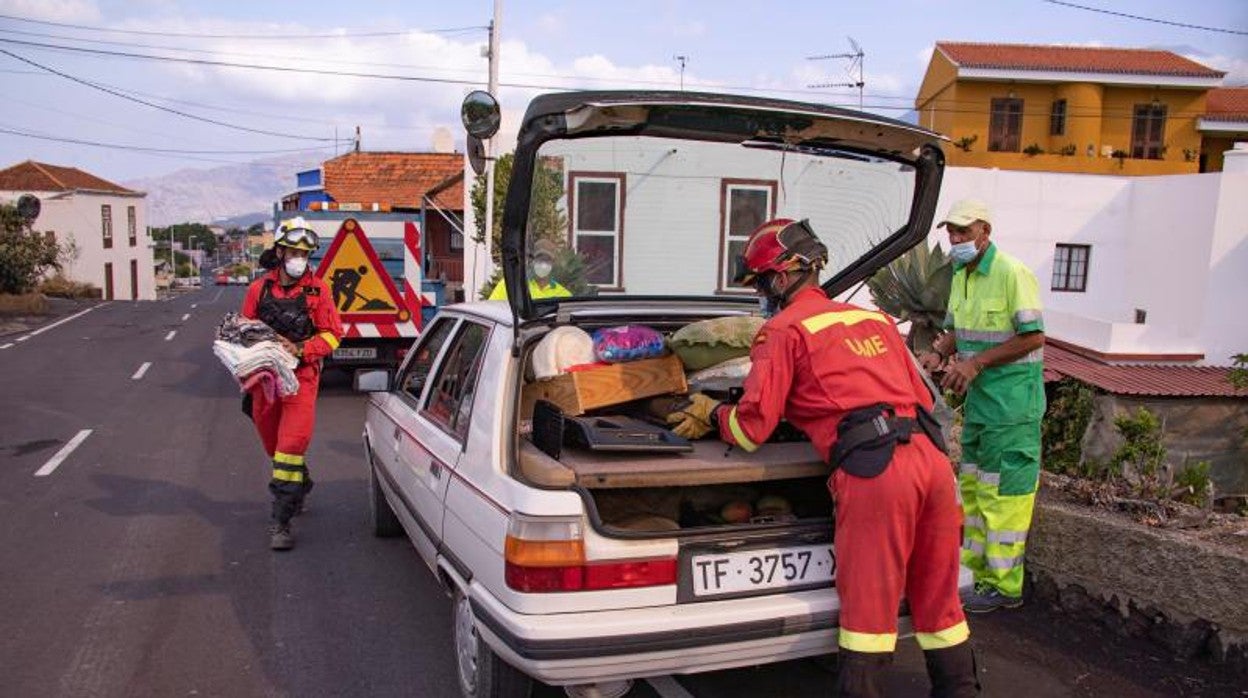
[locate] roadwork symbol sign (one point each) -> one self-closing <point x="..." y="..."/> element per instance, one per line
<point x="359" y="284"/>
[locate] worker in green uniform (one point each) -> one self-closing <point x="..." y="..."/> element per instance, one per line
<point x="994" y="355"/>
<point x="540" y="283"/>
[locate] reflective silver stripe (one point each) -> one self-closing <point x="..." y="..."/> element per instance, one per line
<point x="974" y="522"/>
<point x="1032" y="357"/>
<point x="967" y="468"/>
<point x="1025" y="316"/>
<point x="973" y="546"/>
<point x="966" y="355"/>
<point x="988" y="478"/>
<point x="1007" y="537"/>
<point x="996" y="336"/>
<point x="1004" y="563"/>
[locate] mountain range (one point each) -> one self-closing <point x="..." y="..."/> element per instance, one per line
<point x="231" y="194"/>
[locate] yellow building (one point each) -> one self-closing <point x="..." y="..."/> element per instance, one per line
<point x="1067" y="108"/>
<point x="1224" y="122"/>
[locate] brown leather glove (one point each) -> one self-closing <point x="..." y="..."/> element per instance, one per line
<point x="692" y="419"/>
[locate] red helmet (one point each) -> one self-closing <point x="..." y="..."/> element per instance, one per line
<point x="778" y="245"/>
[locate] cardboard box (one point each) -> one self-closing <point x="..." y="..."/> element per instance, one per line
<point x="580" y="391"/>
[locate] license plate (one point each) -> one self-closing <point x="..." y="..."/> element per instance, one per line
<point x="768" y="568"/>
<point x="355" y="353"/>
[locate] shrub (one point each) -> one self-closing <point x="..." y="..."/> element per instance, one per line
<point x="1063" y="428"/>
<point x="24" y="304"/>
<point x="24" y="254"/>
<point x="59" y="286"/>
<point x="1033" y="149"/>
<point x="1193" y="484"/>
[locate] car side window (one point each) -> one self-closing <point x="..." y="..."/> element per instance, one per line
<point x="413" y="380"/>
<point x="450" y="400"/>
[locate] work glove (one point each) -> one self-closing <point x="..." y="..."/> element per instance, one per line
<point x="692" y="418"/>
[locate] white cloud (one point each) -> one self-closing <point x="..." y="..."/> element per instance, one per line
<point x="1236" y="67"/>
<point x="924" y="56"/>
<point x="550" y="23"/>
<point x="52" y="10"/>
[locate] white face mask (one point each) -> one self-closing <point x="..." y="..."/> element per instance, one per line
<point x="296" y="266"/>
<point x="542" y="269"/>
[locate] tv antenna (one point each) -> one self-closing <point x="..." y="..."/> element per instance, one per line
<point x="855" y="67"/>
<point x="682" y="60"/>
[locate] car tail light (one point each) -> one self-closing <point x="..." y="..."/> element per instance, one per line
<point x="547" y="554"/>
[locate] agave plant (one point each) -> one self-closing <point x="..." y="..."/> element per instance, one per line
<point x="915" y="288"/>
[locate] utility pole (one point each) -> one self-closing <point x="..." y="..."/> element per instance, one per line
<point x="855" y="59"/>
<point x="492" y="88"/>
<point x="682" y="60"/>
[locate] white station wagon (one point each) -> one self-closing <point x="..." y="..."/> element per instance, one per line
<point x="583" y="543"/>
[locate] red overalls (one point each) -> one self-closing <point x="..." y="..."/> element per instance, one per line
<point x="285" y="423"/>
<point x="898" y="532"/>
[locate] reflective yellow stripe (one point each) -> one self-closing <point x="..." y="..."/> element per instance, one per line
<point x="823" y="321"/>
<point x="330" y="339"/>
<point x="288" y="475"/>
<point x="287" y="458"/>
<point x="738" y="433"/>
<point x="868" y="642"/>
<point x="953" y="635"/>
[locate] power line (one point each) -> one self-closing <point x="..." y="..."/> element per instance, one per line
<point x="116" y="93"/>
<point x="146" y="149"/>
<point x="1148" y="19"/>
<point x="286" y="36"/>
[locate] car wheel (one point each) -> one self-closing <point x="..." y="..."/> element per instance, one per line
<point x="482" y="674"/>
<point x="385" y="523"/>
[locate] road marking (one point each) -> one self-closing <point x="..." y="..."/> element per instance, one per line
<point x="23" y="338"/>
<point x="194" y="306"/>
<point x="217" y="297"/>
<point x="142" y="369"/>
<point x="62" y="454"/>
<point x="667" y="687"/>
<point x="186" y="317"/>
<point x="170" y="335"/>
<point x="6" y="346"/>
<point x="60" y="322"/>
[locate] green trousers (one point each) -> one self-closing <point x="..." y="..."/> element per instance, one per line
<point x="997" y="478"/>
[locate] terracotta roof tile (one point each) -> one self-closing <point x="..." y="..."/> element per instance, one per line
<point x="1083" y="59"/>
<point x="1227" y="104"/>
<point x="397" y="179"/>
<point x="1155" y="380"/>
<point x="38" y="176"/>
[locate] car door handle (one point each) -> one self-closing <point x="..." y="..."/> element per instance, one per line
<point x="435" y="468"/>
<point x="397" y="432"/>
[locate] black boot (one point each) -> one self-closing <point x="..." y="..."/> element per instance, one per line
<point x="860" y="673"/>
<point x="952" y="671"/>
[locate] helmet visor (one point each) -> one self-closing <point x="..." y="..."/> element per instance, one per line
<point x="302" y="238"/>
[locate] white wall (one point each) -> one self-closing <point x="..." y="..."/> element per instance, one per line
<point x="75" y="215"/>
<point x="1175" y="246"/>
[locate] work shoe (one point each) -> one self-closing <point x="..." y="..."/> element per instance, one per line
<point x="280" y="537"/>
<point x="986" y="599"/>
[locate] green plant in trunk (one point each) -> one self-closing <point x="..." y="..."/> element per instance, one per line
<point x="1142" y="454"/>
<point x="915" y="288"/>
<point x="1065" y="423"/>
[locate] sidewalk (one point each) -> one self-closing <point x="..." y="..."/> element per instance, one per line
<point x="57" y="309"/>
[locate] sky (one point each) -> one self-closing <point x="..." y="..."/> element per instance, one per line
<point x="65" y="76"/>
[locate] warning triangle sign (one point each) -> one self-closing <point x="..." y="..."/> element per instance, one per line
<point x="359" y="285"/>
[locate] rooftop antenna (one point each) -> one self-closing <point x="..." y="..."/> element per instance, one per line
<point x="682" y="60"/>
<point x="855" y="66"/>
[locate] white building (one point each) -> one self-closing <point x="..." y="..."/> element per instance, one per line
<point x="105" y="222"/>
<point x="1130" y="268"/>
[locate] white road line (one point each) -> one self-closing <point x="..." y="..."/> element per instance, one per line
<point x="194" y="306"/>
<point x="6" y="346"/>
<point x="24" y="337"/>
<point x="62" y="321"/>
<point x="142" y="369"/>
<point x="62" y="454"/>
<point x="170" y="335"/>
<point x="186" y="317"/>
<point x="217" y="297"/>
<point x="667" y="687"/>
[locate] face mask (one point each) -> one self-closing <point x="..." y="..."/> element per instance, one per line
<point x="541" y="269"/>
<point x="768" y="306"/>
<point x="769" y="302"/>
<point x="964" y="252"/>
<point x="296" y="266"/>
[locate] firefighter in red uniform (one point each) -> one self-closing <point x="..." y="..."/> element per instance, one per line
<point x="843" y="376"/>
<point x="298" y="307"/>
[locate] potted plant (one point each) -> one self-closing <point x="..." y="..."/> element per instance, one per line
<point x="1033" y="150"/>
<point x="964" y="143"/>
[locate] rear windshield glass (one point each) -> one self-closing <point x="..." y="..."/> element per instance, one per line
<point x="633" y="215"/>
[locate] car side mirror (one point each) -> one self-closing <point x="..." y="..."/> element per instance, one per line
<point x="372" y="381"/>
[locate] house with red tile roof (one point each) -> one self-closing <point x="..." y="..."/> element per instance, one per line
<point x="104" y="223"/>
<point x="1224" y="123"/>
<point x="1081" y="109"/>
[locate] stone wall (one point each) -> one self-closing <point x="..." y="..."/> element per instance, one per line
<point x="1185" y="593"/>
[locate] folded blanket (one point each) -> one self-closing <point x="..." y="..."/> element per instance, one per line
<point x="243" y="361"/>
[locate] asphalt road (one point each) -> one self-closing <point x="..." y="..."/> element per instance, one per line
<point x="137" y="562"/>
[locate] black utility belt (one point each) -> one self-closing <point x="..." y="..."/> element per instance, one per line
<point x="867" y="437"/>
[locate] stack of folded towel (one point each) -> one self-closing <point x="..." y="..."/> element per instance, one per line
<point x="252" y="353"/>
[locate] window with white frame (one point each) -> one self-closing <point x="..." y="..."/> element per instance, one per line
<point x="746" y="204"/>
<point x="1070" y="267"/>
<point x="106" y="224"/>
<point x="597" y="225"/>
